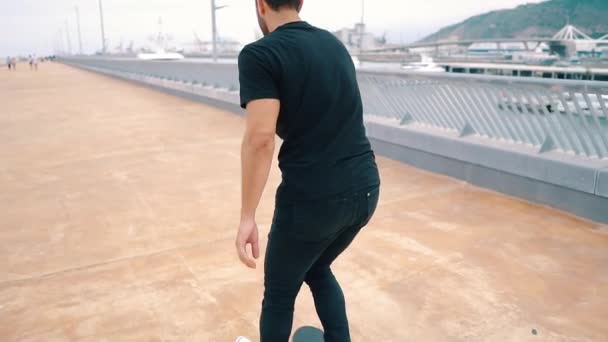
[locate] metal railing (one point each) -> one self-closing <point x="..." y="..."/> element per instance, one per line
<point x="206" y="74"/>
<point x="566" y="116"/>
<point x="551" y="115"/>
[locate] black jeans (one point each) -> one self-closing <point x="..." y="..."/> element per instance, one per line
<point x="305" y="238"/>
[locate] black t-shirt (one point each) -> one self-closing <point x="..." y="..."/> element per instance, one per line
<point x="325" y="150"/>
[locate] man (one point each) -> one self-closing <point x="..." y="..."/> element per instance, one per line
<point x="300" y="83"/>
<point x="35" y="62"/>
<point x="9" y="62"/>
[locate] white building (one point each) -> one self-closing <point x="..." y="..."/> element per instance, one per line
<point x="357" y="38"/>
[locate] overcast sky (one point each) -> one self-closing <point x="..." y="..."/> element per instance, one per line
<point x="33" y="26"/>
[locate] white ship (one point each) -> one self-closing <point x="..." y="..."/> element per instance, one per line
<point x="160" y="43"/>
<point x="160" y="55"/>
<point x="427" y="64"/>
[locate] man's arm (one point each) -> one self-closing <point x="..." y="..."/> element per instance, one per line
<point x="257" y="152"/>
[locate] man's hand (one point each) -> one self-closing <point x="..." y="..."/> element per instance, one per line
<point x="248" y="235"/>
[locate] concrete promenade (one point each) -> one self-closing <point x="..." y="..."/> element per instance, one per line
<point x="119" y="205"/>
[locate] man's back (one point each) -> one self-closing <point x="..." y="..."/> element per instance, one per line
<point x="325" y="151"/>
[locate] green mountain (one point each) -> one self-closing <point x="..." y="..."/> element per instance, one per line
<point x="531" y="20"/>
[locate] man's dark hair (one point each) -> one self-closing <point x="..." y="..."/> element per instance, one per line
<point x="280" y="4"/>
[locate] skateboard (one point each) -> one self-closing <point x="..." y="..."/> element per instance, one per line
<point x="308" y="334"/>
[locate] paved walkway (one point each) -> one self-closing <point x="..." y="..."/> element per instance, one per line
<point x="118" y="207"/>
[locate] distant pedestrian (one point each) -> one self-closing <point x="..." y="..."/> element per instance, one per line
<point x="33" y="62"/>
<point x="14" y="62"/>
<point x="9" y="63"/>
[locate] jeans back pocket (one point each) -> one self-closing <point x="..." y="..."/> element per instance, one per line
<point x="316" y="221"/>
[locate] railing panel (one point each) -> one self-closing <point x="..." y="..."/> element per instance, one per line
<point x="563" y="115"/>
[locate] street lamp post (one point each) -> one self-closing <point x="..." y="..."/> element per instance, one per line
<point x="362" y="33"/>
<point x="362" y="11"/>
<point x="60" y="42"/>
<point x="214" y="8"/>
<point x="103" y="31"/>
<point x="67" y="35"/>
<point x="79" y="33"/>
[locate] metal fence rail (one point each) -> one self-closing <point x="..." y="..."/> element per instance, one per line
<point x="551" y="115"/>
<point x="562" y="116"/>
<point x="207" y="74"/>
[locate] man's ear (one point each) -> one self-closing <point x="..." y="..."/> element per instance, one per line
<point x="300" y="5"/>
<point x="261" y="7"/>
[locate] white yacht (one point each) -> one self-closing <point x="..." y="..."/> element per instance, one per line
<point x="160" y="44"/>
<point x="160" y="55"/>
<point x="425" y="65"/>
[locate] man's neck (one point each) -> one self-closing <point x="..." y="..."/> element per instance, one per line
<point x="281" y="18"/>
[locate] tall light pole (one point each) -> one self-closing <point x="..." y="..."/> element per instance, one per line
<point x="60" y="41"/>
<point x="67" y="36"/>
<point x="214" y="8"/>
<point x="103" y="30"/>
<point x="362" y="33"/>
<point x="362" y="11"/>
<point x="79" y="33"/>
